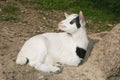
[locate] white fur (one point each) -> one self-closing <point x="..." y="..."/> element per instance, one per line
<point x="44" y="50"/>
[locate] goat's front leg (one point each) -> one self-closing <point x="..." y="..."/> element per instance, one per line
<point x="53" y="64"/>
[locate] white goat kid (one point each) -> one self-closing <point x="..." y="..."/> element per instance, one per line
<point x="43" y="51"/>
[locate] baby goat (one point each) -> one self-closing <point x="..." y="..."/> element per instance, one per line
<point x="43" y="51"/>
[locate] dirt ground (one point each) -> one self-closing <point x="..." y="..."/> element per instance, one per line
<point x="14" y="34"/>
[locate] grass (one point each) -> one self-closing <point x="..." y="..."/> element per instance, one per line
<point x="9" y="12"/>
<point x="100" y="15"/>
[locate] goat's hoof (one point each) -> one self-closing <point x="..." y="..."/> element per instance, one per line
<point x="56" y="71"/>
<point x="58" y="64"/>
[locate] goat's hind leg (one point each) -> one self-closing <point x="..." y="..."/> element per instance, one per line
<point x="44" y="66"/>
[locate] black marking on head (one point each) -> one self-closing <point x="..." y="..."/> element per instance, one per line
<point x="80" y="52"/>
<point x="76" y="21"/>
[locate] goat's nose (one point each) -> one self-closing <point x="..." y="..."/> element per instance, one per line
<point x="60" y="26"/>
<point x="60" y="23"/>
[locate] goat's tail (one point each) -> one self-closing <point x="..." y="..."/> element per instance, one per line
<point x="21" y="59"/>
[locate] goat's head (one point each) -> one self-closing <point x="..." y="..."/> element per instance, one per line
<point x="72" y="22"/>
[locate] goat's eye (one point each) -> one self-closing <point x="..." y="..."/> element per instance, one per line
<point x="73" y="21"/>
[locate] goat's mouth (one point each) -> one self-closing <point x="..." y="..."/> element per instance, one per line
<point x="60" y="30"/>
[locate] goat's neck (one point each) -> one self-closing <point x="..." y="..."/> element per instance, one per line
<point x="80" y="38"/>
<point x="80" y="34"/>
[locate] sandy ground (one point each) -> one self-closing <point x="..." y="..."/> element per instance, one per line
<point x="14" y="34"/>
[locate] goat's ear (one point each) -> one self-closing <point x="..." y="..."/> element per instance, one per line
<point x="66" y="15"/>
<point x="81" y="17"/>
